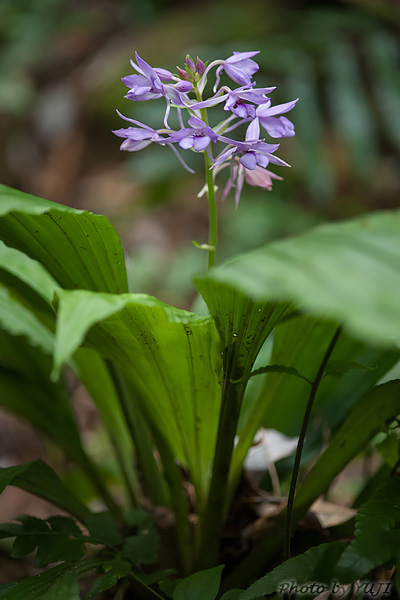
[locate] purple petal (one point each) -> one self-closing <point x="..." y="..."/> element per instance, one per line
<point x="223" y="157"/>
<point x="135" y="66"/>
<point x="253" y="131"/>
<point x="196" y="123"/>
<point x="278" y="109"/>
<point x="173" y="94"/>
<point x="210" y="102"/>
<point x="277" y="161"/>
<point x="135" y="134"/>
<point x="273" y="126"/>
<point x="238" y="56"/>
<point x="200" y="143"/>
<point x="262" y="160"/>
<point x="249" y="160"/>
<point x="163" y="74"/>
<point x="139" y="90"/>
<point x="237" y="75"/>
<point x="133" y="80"/>
<point x="186" y="142"/>
<point x="134" y="121"/>
<point x="256" y="96"/>
<point x="144" y="66"/>
<point x="264" y="148"/>
<point x="289" y="127"/>
<point x="241" y="111"/>
<point x="132" y="146"/>
<point x="120" y="132"/>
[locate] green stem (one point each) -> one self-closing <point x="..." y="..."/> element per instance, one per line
<point x="212" y="205"/>
<point x="300" y="444"/>
<point x="212" y="522"/>
<point x="212" y="210"/>
<point x="144" y="584"/>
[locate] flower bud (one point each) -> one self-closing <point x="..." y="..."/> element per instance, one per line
<point x="200" y="66"/>
<point x="182" y="74"/>
<point x="190" y="63"/>
<point x="183" y="86"/>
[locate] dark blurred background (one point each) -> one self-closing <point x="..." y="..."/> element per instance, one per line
<point x="61" y="62"/>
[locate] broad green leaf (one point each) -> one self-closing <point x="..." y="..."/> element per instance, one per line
<point x="76" y="317"/>
<point x="29" y="271"/>
<point x="170" y="357"/>
<point x="19" y="321"/>
<point x="79" y="249"/>
<point x="243" y="324"/>
<point x="203" y="585"/>
<point x="38" y="478"/>
<point x="297" y="570"/>
<point x="348" y="272"/>
<point x="377" y="534"/>
<point x="366" y="419"/>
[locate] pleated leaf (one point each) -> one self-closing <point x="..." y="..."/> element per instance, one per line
<point x="348" y="272"/>
<point x="19" y="321"/>
<point x="28" y="271"/>
<point x="79" y="249"/>
<point x="170" y="357"/>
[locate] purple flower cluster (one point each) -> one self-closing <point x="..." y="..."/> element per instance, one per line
<point x="245" y="104"/>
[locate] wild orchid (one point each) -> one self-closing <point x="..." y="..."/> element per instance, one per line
<point x="315" y="316"/>
<point x="245" y="104"/>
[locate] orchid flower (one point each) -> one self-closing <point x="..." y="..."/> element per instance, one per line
<point x="198" y="136"/>
<point x="276" y="127"/>
<point x="245" y="104"/>
<point x="148" y="85"/>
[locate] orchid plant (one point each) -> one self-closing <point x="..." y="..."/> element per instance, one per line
<point x="246" y="105"/>
<point x="300" y="336"/>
